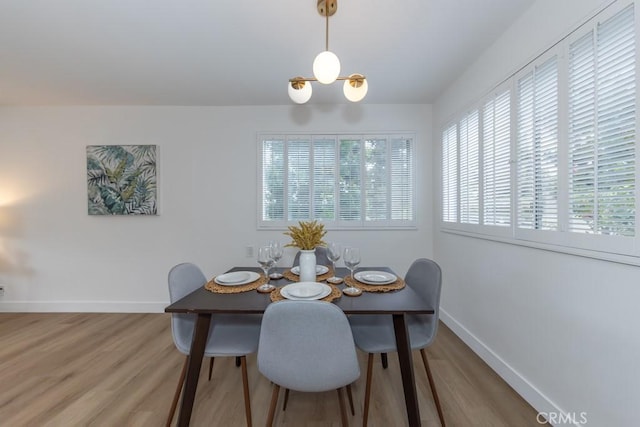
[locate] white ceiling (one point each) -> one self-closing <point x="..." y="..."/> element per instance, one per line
<point x="236" y="52"/>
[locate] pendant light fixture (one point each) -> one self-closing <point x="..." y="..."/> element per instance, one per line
<point x="326" y="68"/>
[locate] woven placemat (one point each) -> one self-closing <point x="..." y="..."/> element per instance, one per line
<point x="335" y="294"/>
<point x="295" y="278"/>
<point x="219" y="289"/>
<point x="398" y="284"/>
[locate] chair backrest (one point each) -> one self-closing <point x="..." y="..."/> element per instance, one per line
<point x="307" y="346"/>
<point x="183" y="279"/>
<point x="321" y="257"/>
<point x="425" y="277"/>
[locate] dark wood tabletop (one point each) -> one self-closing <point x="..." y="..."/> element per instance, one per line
<point x="405" y="300"/>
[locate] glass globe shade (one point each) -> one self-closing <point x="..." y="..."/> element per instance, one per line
<point x="355" y="94"/>
<point x="326" y="67"/>
<point x="302" y="95"/>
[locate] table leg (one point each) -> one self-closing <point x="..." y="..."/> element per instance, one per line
<point x="406" y="369"/>
<point x="198" y="345"/>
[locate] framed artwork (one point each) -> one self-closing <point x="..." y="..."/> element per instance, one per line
<point x="122" y="180"/>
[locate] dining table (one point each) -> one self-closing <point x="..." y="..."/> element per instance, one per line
<point x="204" y="304"/>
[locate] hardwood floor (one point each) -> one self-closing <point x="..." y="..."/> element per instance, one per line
<point x="93" y="369"/>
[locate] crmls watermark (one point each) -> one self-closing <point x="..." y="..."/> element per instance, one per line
<point x="558" y="418"/>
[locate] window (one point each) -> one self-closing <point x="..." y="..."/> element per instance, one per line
<point x="496" y="156"/>
<point x="537" y="141"/>
<point x="567" y="122"/>
<point x="469" y="169"/>
<point x="450" y="174"/>
<point x="602" y="129"/>
<point x="347" y="181"/>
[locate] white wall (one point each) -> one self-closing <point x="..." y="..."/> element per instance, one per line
<point x="55" y="257"/>
<point x="562" y="329"/>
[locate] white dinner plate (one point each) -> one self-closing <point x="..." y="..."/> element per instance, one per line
<point x="372" y="277"/>
<point x="320" y="269"/>
<point x="305" y="291"/>
<point x="236" y="278"/>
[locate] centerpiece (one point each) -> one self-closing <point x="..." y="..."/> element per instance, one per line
<point x="307" y="236"/>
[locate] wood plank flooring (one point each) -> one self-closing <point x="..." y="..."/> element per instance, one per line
<point x="78" y="369"/>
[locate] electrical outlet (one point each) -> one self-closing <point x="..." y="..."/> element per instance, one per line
<point x="249" y="251"/>
<point x="1" y="291"/>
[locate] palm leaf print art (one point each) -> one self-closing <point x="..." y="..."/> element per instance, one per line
<point x="121" y="179"/>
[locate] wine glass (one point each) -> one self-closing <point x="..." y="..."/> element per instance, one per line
<point x="277" y="250"/>
<point x="334" y="251"/>
<point x="265" y="260"/>
<point x="351" y="260"/>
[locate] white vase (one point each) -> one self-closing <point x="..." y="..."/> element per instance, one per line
<point x="308" y="265"/>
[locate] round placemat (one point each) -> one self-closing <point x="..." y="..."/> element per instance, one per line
<point x="295" y="278"/>
<point x="398" y="284"/>
<point x="219" y="289"/>
<point x="335" y="293"/>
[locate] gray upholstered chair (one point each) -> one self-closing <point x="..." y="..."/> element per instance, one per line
<point x="321" y="257"/>
<point x="294" y="352"/>
<point x="229" y="335"/>
<point x="375" y="333"/>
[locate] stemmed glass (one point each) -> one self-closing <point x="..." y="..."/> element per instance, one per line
<point x="334" y="250"/>
<point x="351" y="260"/>
<point x="266" y="262"/>
<point x="276" y="253"/>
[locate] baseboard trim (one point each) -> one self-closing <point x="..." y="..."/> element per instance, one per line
<point x="82" y="307"/>
<point x="521" y="385"/>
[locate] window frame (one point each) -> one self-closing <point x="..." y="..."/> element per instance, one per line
<point x="337" y="222"/>
<point x="609" y="247"/>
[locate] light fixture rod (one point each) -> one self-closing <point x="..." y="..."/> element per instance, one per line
<point x="326" y="14"/>
<point x="327" y="8"/>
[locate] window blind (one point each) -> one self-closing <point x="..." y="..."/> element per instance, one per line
<point x="469" y="169"/>
<point x="324" y="178"/>
<point x="376" y="180"/>
<point x="537" y="147"/>
<point x="347" y="181"/>
<point x="402" y="170"/>
<point x="350" y="180"/>
<point x="496" y="156"/>
<point x="298" y="179"/>
<point x="450" y="174"/>
<point x="273" y="200"/>
<point x="602" y="112"/>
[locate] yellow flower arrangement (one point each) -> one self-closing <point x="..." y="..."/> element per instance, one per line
<point x="307" y="236"/>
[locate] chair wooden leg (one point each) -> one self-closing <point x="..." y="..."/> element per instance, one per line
<point x="245" y="387"/>
<point x="343" y="409"/>
<point x="286" y="399"/>
<point x="432" y="384"/>
<point x="210" y="367"/>
<point x="272" y="407"/>
<point x="350" y="396"/>
<point x="385" y="361"/>
<point x="367" y="390"/>
<point x="176" y="397"/>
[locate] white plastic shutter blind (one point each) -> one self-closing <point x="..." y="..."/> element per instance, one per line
<point x="273" y="199"/>
<point x="298" y="179"/>
<point x="469" y="169"/>
<point x="350" y="180"/>
<point x="537" y="145"/>
<point x="450" y="174"/>
<point x="401" y="179"/>
<point x="496" y="156"/>
<point x="376" y="179"/>
<point x="324" y="178"/>
<point x="602" y="94"/>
